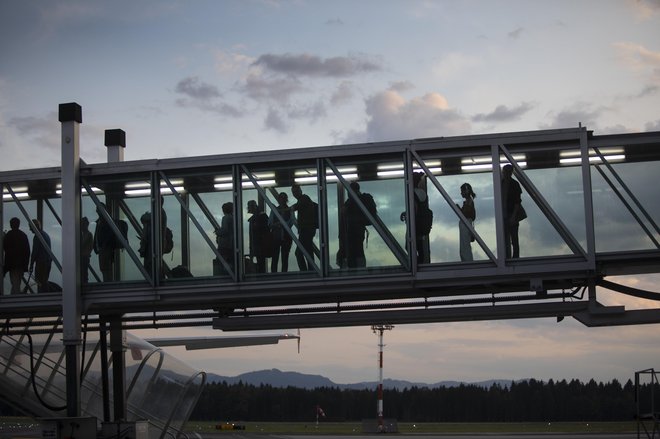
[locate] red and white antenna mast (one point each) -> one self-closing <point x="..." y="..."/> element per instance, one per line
<point x="379" y="329"/>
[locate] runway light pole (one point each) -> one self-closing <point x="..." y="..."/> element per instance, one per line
<point x="379" y="329"/>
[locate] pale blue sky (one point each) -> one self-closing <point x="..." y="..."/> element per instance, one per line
<point x="205" y="77"/>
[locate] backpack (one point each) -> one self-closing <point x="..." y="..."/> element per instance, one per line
<point x="123" y="229"/>
<point x="168" y="240"/>
<point x="370" y="204"/>
<point x="424" y="217"/>
<point x="314" y="214"/>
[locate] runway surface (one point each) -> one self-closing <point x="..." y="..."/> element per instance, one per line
<point x="425" y="436"/>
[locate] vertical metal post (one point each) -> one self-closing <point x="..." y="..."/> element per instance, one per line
<point x="115" y="141"/>
<point x="499" y="211"/>
<point x="118" y="349"/>
<point x="70" y="115"/>
<point x="104" y="371"/>
<point x="379" y="329"/>
<point x="588" y="199"/>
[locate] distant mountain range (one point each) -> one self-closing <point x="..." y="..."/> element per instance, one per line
<point x="278" y="378"/>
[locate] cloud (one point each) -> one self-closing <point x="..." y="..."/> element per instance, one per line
<point x="204" y="97"/>
<point x="639" y="58"/>
<point x="278" y="89"/>
<point x="645" y="9"/>
<point x="652" y="126"/>
<point x="343" y="94"/>
<point x="311" y="112"/>
<point x="334" y="22"/>
<point x="502" y="113"/>
<point x="391" y="116"/>
<point x="581" y="113"/>
<point x="315" y="66"/>
<point x="227" y="62"/>
<point x="43" y="131"/>
<point x="274" y="121"/>
<point x="515" y="34"/>
<point x="196" y="89"/>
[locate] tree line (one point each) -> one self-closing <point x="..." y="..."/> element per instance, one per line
<point x="523" y="401"/>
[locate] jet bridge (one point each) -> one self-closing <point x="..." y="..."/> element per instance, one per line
<point x="589" y="201"/>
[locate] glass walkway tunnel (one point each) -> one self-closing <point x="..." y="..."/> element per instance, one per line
<point x="156" y="227"/>
<point x="349" y="235"/>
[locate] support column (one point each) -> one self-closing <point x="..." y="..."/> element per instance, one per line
<point x="115" y="141"/>
<point x="70" y="115"/>
<point x="118" y="349"/>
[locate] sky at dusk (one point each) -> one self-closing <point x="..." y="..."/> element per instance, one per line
<point x="189" y="78"/>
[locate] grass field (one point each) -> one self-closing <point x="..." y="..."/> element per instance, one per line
<point x="440" y="427"/>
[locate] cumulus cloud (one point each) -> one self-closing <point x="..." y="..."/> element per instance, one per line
<point x="278" y="89"/>
<point x="639" y="58"/>
<point x="274" y="121"/>
<point x="203" y="96"/>
<point x="227" y="62"/>
<point x="502" y="113"/>
<point x="652" y="126"/>
<point x="315" y="66"/>
<point x="196" y="89"/>
<point x="571" y="117"/>
<point x="391" y="116"/>
<point x="343" y="94"/>
<point x="311" y="112"/>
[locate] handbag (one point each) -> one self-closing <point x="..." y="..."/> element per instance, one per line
<point x="521" y="214"/>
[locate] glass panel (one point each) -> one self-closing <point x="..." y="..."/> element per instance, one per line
<point x="194" y="253"/>
<point x="615" y="227"/>
<point x="40" y="202"/>
<point x="355" y="243"/>
<point x="268" y="247"/>
<point x="128" y="204"/>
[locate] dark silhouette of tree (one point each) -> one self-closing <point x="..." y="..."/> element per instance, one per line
<point x="523" y="401"/>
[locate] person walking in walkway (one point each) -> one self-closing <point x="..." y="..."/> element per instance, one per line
<point x="307" y="222"/>
<point x="17" y="254"/>
<point x="40" y="260"/>
<point x="260" y="240"/>
<point x="511" y="208"/>
<point x="464" y="234"/>
<point x="281" y="238"/>
<point x="225" y="235"/>
<point x="104" y="245"/>
<point x="86" y="248"/>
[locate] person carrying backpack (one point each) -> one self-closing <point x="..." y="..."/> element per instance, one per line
<point x="355" y="229"/>
<point x="307" y="223"/>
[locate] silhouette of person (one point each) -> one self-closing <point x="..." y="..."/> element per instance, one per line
<point x="464" y="234"/>
<point x="40" y="259"/>
<point x="104" y="246"/>
<point x="17" y="254"/>
<point x="260" y="242"/>
<point x="511" y="204"/>
<point x="225" y="234"/>
<point x="306" y="226"/>
<point x="145" y="249"/>
<point x="281" y="239"/>
<point x="355" y="231"/>
<point x="86" y="247"/>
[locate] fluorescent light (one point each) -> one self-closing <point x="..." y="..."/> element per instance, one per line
<point x="592" y="159"/>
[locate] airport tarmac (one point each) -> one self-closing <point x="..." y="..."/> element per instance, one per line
<point x="424" y="436"/>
